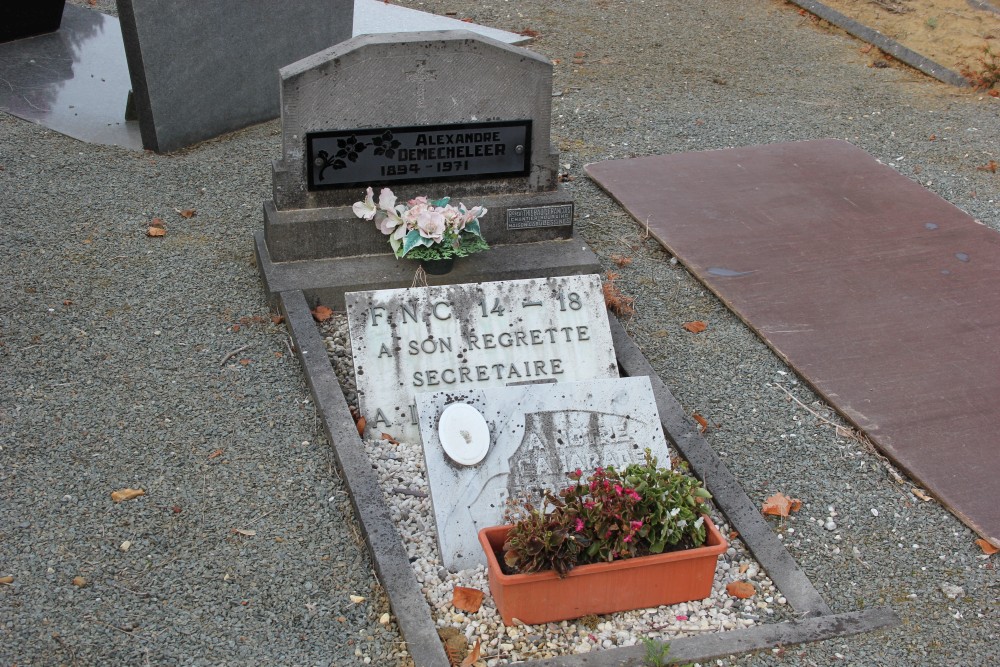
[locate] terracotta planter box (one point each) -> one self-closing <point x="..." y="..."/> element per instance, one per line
<point x="601" y="588"/>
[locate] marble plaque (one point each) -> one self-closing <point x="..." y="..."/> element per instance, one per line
<point x="493" y="334"/>
<point x="538" y="433"/>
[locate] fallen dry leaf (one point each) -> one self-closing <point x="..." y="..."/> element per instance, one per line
<point x="244" y="532"/>
<point x="733" y="534"/>
<point x="987" y="548"/>
<point x="361" y="423"/>
<point x="244" y="362"/>
<point x="67" y="302"/>
<point x="702" y="422"/>
<point x="156" y="222"/>
<point x="126" y="494"/>
<point x="695" y="327"/>
<point x="79" y="582"/>
<point x="528" y="32"/>
<point x="277" y="319"/>
<point x="187" y="213"/>
<point x="741" y="589"/>
<point x="473" y="656"/>
<point x="990" y="166"/>
<point x="392" y="440"/>
<point x="357" y="599"/>
<point x="621" y="260"/>
<point x="156" y="232"/>
<point x="467" y="599"/>
<point x="216" y="454"/>
<point x="321" y="313"/>
<point x="919" y="493"/>
<point x="6" y="580"/>
<point x="781" y="505"/>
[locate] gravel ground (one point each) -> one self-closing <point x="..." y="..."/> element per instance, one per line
<point x="113" y="346"/>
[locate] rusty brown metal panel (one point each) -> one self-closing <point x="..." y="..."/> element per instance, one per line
<point x="882" y="295"/>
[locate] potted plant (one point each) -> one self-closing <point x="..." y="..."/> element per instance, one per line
<point x="434" y="232"/>
<point x="615" y="541"/>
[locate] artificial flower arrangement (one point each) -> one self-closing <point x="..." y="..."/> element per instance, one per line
<point x="612" y="515"/>
<point x="424" y="229"/>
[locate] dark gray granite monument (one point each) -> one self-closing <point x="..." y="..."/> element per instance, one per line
<point x="200" y="68"/>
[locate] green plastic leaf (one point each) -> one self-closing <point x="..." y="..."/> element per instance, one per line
<point x="473" y="228"/>
<point x="412" y="240"/>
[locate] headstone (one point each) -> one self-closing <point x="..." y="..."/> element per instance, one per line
<point x="446" y="113"/>
<point x="200" y="68"/>
<point x="537" y="434"/>
<point x="407" y="341"/>
<point x="372" y="17"/>
<point x="24" y="18"/>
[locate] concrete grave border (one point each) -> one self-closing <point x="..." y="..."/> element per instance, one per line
<point x="887" y="44"/>
<point x="413" y="616"/>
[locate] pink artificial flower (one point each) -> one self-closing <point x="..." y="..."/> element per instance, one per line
<point x="431" y="225"/>
<point x="579" y="525"/>
<point x="636" y="525"/>
<point x="589" y="504"/>
<point x="618" y="489"/>
<point x="627" y="538"/>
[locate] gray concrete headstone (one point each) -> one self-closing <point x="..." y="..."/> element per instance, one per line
<point x="200" y="68"/>
<point x="538" y="433"/>
<point x="407" y="341"/>
<point x="443" y="113"/>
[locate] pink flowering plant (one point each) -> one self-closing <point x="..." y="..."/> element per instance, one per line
<point x="609" y="515"/>
<point x="424" y="229"/>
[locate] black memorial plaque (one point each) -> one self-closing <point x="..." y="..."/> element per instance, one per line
<point x="420" y="154"/>
<point x="560" y="215"/>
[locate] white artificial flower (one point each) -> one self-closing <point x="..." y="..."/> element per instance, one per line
<point x="366" y="209"/>
<point x="387" y="200"/>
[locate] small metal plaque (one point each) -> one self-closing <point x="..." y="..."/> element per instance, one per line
<point x="419" y="154"/>
<point x="560" y="215"/>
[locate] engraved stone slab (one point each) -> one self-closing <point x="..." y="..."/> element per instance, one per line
<point x="408" y="341"/>
<point x="538" y="433"/>
<point x="532" y="217"/>
<point x="423" y="154"/>
<point x="417" y="77"/>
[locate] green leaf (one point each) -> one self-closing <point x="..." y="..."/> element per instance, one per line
<point x="473" y="228"/>
<point x="411" y="241"/>
<point x="441" y="202"/>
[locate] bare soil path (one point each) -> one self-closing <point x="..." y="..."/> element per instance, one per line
<point x="952" y="33"/>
